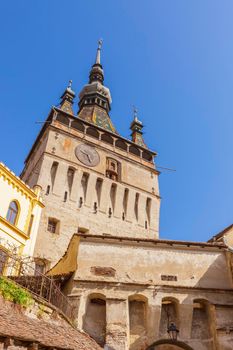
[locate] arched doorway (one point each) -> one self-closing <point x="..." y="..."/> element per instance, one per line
<point x="168" y="344"/>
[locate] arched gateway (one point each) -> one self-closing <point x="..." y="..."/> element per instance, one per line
<point x="168" y="344"/>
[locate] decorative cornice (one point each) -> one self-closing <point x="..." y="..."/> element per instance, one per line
<point x="153" y="286"/>
<point x="17" y="183"/>
<point x="130" y="142"/>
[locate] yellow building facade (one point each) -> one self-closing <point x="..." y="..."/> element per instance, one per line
<point x="20" y="211"/>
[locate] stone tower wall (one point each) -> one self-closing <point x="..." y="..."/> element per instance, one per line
<point x="127" y="207"/>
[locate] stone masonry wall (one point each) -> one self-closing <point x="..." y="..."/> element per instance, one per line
<point x="102" y="213"/>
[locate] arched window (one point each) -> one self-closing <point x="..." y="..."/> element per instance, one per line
<point x="12" y="212"/>
<point x="84" y="183"/>
<point x="53" y="172"/>
<point x="98" y="187"/>
<point x="62" y="119"/>
<point x="107" y="138"/>
<point x="136" y="205"/>
<point x="76" y="124"/>
<point x="147" y="156"/>
<point x="125" y="203"/>
<point x="70" y="177"/>
<point x="134" y="150"/>
<point x="121" y="144"/>
<point x="92" y="132"/>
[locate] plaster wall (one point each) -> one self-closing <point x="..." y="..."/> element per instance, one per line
<point x="131" y="273"/>
<point x="143" y="264"/>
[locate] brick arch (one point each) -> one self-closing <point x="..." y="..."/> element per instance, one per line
<point x="171" y="345"/>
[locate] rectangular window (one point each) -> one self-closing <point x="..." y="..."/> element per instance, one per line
<point x="47" y="190"/>
<point x="30" y="225"/>
<point x="52" y="225"/>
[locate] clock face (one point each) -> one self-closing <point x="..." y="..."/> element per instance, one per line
<point x="87" y="155"/>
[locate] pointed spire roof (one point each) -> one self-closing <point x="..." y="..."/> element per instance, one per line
<point x="67" y="99"/>
<point x="136" y="126"/>
<point x="97" y="73"/>
<point x="95" y="98"/>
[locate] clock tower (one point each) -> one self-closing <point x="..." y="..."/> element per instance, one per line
<point x="93" y="180"/>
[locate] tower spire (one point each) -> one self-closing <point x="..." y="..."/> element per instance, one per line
<point x="95" y="98"/>
<point x="97" y="73"/>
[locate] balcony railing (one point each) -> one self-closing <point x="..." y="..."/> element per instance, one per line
<point x="42" y="286"/>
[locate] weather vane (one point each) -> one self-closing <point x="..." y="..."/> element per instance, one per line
<point x="70" y="84"/>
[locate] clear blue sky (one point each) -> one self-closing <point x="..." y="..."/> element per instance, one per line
<point x="172" y="59"/>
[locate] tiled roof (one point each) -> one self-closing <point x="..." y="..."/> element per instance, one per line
<point x="58" y="333"/>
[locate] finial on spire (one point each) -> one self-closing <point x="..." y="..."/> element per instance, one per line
<point x="70" y="85"/>
<point x="135" y="116"/>
<point x="97" y="73"/>
<point x="135" y="113"/>
<point x="100" y="43"/>
<point x="136" y="127"/>
<point x="67" y="99"/>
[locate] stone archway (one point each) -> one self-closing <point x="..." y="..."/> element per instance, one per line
<point x="168" y="344"/>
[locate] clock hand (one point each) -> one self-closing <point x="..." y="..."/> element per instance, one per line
<point x="86" y="154"/>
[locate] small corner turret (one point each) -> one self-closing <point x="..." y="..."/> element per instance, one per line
<point x="136" y="126"/>
<point x="67" y="98"/>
